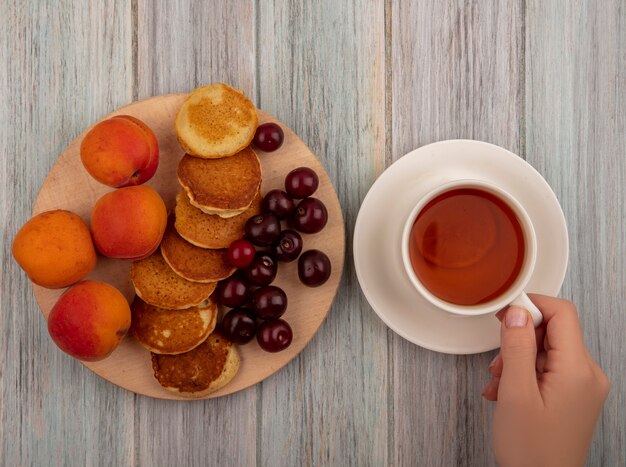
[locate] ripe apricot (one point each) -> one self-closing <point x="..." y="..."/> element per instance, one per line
<point x="54" y="248"/>
<point x="129" y="223"/>
<point x="89" y="320"/>
<point x="120" y="151"/>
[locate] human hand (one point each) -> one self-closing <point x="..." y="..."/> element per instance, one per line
<point x="548" y="389"/>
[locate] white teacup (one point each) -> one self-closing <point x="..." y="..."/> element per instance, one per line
<point x="515" y="294"/>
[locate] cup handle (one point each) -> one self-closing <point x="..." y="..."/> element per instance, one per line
<point x="524" y="302"/>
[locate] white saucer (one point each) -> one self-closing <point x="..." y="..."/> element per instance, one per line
<point x="378" y="234"/>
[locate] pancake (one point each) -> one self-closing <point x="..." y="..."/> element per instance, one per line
<point x="207" y="231"/>
<point x="201" y="371"/>
<point x="191" y="262"/>
<point x="172" y="332"/>
<point x="216" y="121"/>
<point x="158" y="285"/>
<point x="223" y="187"/>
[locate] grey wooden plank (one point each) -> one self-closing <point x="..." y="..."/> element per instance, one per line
<point x="322" y="72"/>
<point x="185" y="44"/>
<point x="63" y="65"/>
<point x="182" y="45"/>
<point x="576" y="136"/>
<point x="455" y="73"/>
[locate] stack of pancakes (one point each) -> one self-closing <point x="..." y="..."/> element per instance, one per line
<point x="173" y="315"/>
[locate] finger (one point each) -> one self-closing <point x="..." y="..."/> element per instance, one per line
<point x="540" y="331"/>
<point x="495" y="367"/>
<point x="541" y="361"/>
<point x="563" y="330"/>
<point x="518" y="348"/>
<point x="490" y="391"/>
<point x="546" y="343"/>
<point x="540" y="335"/>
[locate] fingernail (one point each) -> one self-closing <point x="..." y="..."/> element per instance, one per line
<point x="516" y="317"/>
<point x="493" y="362"/>
<point x="487" y="387"/>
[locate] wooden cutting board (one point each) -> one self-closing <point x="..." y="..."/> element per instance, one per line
<point x="69" y="186"/>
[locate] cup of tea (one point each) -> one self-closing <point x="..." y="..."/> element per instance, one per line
<point x="470" y="248"/>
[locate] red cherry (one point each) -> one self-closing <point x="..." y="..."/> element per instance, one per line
<point x="240" y="253"/>
<point x="301" y="182"/>
<point x="274" y="335"/>
<point x="268" y="137"/>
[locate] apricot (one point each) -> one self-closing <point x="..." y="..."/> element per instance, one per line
<point x="54" y="248"/>
<point x="121" y="151"/>
<point x="89" y="320"/>
<point x="129" y="223"/>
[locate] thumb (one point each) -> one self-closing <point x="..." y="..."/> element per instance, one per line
<point x="518" y="349"/>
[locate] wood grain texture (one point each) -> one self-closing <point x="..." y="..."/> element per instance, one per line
<point x="182" y="45"/>
<point x="64" y="66"/>
<point x="329" y="407"/>
<point x="361" y="83"/>
<point x="185" y="44"/>
<point x="576" y="136"/>
<point x="455" y="74"/>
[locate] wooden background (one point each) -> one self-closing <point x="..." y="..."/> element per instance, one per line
<point x="362" y="83"/>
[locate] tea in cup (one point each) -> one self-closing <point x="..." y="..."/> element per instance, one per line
<point x="470" y="248"/>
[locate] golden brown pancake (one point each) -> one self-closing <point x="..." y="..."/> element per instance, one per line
<point x="191" y="262"/>
<point x="172" y="332"/>
<point x="216" y="121"/>
<point x="224" y="187"/>
<point x="201" y="371"/>
<point x="207" y="231"/>
<point x="157" y="284"/>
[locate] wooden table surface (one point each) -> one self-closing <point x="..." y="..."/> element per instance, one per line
<point x="362" y="83"/>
